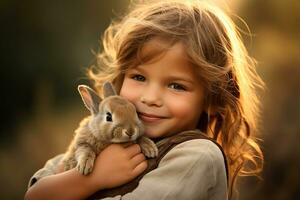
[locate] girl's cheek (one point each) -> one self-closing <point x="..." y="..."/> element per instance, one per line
<point x="183" y="106"/>
<point x="130" y="90"/>
<point x="179" y="107"/>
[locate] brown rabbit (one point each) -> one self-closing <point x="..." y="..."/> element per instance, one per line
<point x="112" y="120"/>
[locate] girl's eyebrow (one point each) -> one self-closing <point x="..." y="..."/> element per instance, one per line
<point x="170" y="76"/>
<point x="181" y="78"/>
<point x="138" y="69"/>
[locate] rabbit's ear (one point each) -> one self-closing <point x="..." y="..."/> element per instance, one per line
<point x="108" y="90"/>
<point x="90" y="98"/>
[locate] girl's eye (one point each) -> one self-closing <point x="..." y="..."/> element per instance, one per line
<point x="108" y="117"/>
<point x="138" y="77"/>
<point x="177" y="86"/>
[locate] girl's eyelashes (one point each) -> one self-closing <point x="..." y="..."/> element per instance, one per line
<point x="172" y="85"/>
<point x="138" y="77"/>
<point x="177" y="86"/>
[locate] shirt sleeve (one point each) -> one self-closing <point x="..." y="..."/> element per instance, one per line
<point x="47" y="170"/>
<point x="192" y="170"/>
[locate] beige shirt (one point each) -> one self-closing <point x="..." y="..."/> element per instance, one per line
<point x="194" y="169"/>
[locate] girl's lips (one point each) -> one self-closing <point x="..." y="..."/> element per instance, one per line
<point x="150" y="117"/>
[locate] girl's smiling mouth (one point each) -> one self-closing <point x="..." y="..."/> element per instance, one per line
<point x="148" y="118"/>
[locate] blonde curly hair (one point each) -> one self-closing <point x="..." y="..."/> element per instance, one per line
<point x="213" y="45"/>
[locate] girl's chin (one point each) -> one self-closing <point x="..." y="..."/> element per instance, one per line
<point x="156" y="134"/>
<point x="149" y="135"/>
<point x="152" y="135"/>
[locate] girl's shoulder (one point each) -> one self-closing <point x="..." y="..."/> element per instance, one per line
<point x="196" y="168"/>
<point x="197" y="152"/>
<point x="200" y="149"/>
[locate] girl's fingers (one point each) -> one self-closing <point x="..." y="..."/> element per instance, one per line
<point x="126" y="144"/>
<point x="133" y="150"/>
<point x="140" y="168"/>
<point x="137" y="159"/>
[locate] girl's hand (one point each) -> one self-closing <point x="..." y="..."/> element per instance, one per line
<point x="117" y="164"/>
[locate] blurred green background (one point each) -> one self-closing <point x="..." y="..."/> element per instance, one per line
<point x="46" y="47"/>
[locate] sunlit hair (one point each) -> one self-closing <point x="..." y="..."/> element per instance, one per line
<point x="213" y="45"/>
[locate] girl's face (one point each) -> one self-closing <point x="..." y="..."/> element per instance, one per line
<point x="167" y="92"/>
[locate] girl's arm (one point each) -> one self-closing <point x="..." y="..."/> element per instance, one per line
<point x="66" y="185"/>
<point x="114" y="166"/>
<point x="192" y="170"/>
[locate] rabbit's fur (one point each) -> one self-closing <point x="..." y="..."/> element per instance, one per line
<point x="113" y="119"/>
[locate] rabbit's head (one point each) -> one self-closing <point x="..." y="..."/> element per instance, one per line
<point x="113" y="118"/>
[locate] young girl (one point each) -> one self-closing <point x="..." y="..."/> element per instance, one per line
<point x="184" y="66"/>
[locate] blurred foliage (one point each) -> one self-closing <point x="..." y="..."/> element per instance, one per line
<point x="276" y="45"/>
<point x="47" y="45"/>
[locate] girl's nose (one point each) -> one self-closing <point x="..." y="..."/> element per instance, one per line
<point x="152" y="96"/>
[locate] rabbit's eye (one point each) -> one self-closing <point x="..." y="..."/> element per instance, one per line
<point x="108" y="117"/>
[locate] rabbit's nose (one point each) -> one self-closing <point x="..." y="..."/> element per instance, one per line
<point x="128" y="132"/>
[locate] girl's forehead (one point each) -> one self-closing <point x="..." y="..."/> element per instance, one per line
<point x="157" y="47"/>
<point x="167" y="59"/>
<point x="158" y="43"/>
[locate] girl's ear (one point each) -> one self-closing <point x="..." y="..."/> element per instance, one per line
<point x="108" y="89"/>
<point x="90" y="98"/>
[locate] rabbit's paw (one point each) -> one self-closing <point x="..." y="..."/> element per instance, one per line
<point x="69" y="164"/>
<point x="148" y="147"/>
<point x="85" y="165"/>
